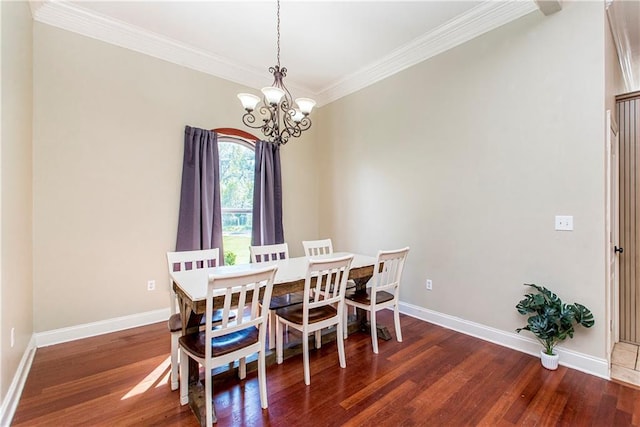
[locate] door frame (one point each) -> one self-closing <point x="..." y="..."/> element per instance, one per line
<point x="612" y="211"/>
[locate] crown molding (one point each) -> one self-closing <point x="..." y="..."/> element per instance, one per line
<point x="73" y="18"/>
<point x="479" y="20"/>
<point x="485" y="17"/>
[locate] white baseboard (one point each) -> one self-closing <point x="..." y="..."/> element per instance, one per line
<point x="11" y="399"/>
<point x="57" y="336"/>
<point x="572" y="359"/>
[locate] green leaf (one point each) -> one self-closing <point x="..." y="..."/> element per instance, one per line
<point x="583" y="315"/>
<point x="551" y="320"/>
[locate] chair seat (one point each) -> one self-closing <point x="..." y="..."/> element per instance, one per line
<point x="225" y="344"/>
<point x="287" y="300"/>
<point x="365" y="297"/>
<point x="175" y="320"/>
<point x="294" y="313"/>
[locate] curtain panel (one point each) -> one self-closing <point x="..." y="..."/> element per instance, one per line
<point x="267" y="196"/>
<point x="200" y="217"/>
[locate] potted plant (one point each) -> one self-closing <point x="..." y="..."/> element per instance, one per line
<point x="551" y="321"/>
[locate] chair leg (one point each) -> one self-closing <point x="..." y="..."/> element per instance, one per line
<point x="305" y="357"/>
<point x="174" y="360"/>
<point x="318" y="336"/>
<point x="207" y="395"/>
<point x="272" y="329"/>
<point x="262" y="380"/>
<point x="340" y="340"/>
<point x="242" y="368"/>
<point x="374" y="331"/>
<point x="396" y="316"/>
<point x="279" y="339"/>
<point x="345" y="323"/>
<point x="184" y="380"/>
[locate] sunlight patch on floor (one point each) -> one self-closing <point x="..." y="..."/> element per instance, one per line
<point x="155" y="377"/>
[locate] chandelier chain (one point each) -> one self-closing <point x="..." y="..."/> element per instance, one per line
<point x="278" y="28"/>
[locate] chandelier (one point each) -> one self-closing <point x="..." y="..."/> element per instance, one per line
<point x="280" y="119"/>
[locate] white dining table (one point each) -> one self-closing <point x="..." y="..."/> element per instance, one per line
<point x="191" y="285"/>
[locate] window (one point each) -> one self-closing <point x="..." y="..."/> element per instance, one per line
<point x="237" y="159"/>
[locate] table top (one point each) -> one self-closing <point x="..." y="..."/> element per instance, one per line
<point x="193" y="283"/>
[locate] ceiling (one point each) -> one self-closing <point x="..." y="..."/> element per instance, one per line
<point x="330" y="48"/>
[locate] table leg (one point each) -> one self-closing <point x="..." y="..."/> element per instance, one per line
<point x="361" y="315"/>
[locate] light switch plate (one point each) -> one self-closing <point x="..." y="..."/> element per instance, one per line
<point x="564" y="222"/>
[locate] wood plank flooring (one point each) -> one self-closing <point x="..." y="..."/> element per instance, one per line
<point x="436" y="377"/>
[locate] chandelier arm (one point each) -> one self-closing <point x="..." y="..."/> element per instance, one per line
<point x="270" y="127"/>
<point x="290" y="125"/>
<point x="287" y="113"/>
<point x="297" y="127"/>
<point x="305" y="123"/>
<point x="249" y="119"/>
<point x="283" y="137"/>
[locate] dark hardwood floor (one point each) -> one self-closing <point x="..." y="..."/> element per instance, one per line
<point x="435" y="377"/>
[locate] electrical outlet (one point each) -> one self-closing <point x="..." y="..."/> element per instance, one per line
<point x="429" y="284"/>
<point x="564" y="222"/>
<point x="151" y="285"/>
<point x="13" y="337"/>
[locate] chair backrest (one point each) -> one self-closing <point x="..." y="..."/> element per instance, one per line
<point x="188" y="260"/>
<point x="317" y="247"/>
<point x="245" y="289"/>
<point x="326" y="282"/>
<point x="387" y="272"/>
<point x="269" y="252"/>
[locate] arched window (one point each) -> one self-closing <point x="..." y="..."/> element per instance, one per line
<point x="237" y="160"/>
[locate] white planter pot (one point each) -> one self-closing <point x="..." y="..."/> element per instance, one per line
<point x="549" y="361"/>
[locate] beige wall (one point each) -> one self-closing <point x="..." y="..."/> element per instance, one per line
<point x="300" y="182"/>
<point x="467" y="158"/>
<point x="16" y="246"/>
<point x="108" y="135"/>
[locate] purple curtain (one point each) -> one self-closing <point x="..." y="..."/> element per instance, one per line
<point x="267" y="196"/>
<point x="200" y="218"/>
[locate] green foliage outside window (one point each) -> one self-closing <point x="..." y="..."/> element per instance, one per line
<point x="236" y="196"/>
<point x="229" y="258"/>
<point x="236" y="176"/>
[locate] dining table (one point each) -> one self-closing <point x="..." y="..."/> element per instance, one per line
<point x="191" y="287"/>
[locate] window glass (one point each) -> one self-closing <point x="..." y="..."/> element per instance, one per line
<point x="237" y="159"/>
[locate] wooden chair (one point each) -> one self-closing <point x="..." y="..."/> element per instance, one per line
<point x="317" y="247"/>
<point x="322" y="247"/>
<point x="322" y="306"/>
<point x="385" y="286"/>
<point x="267" y="253"/>
<point x="231" y="339"/>
<point x="180" y="261"/>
